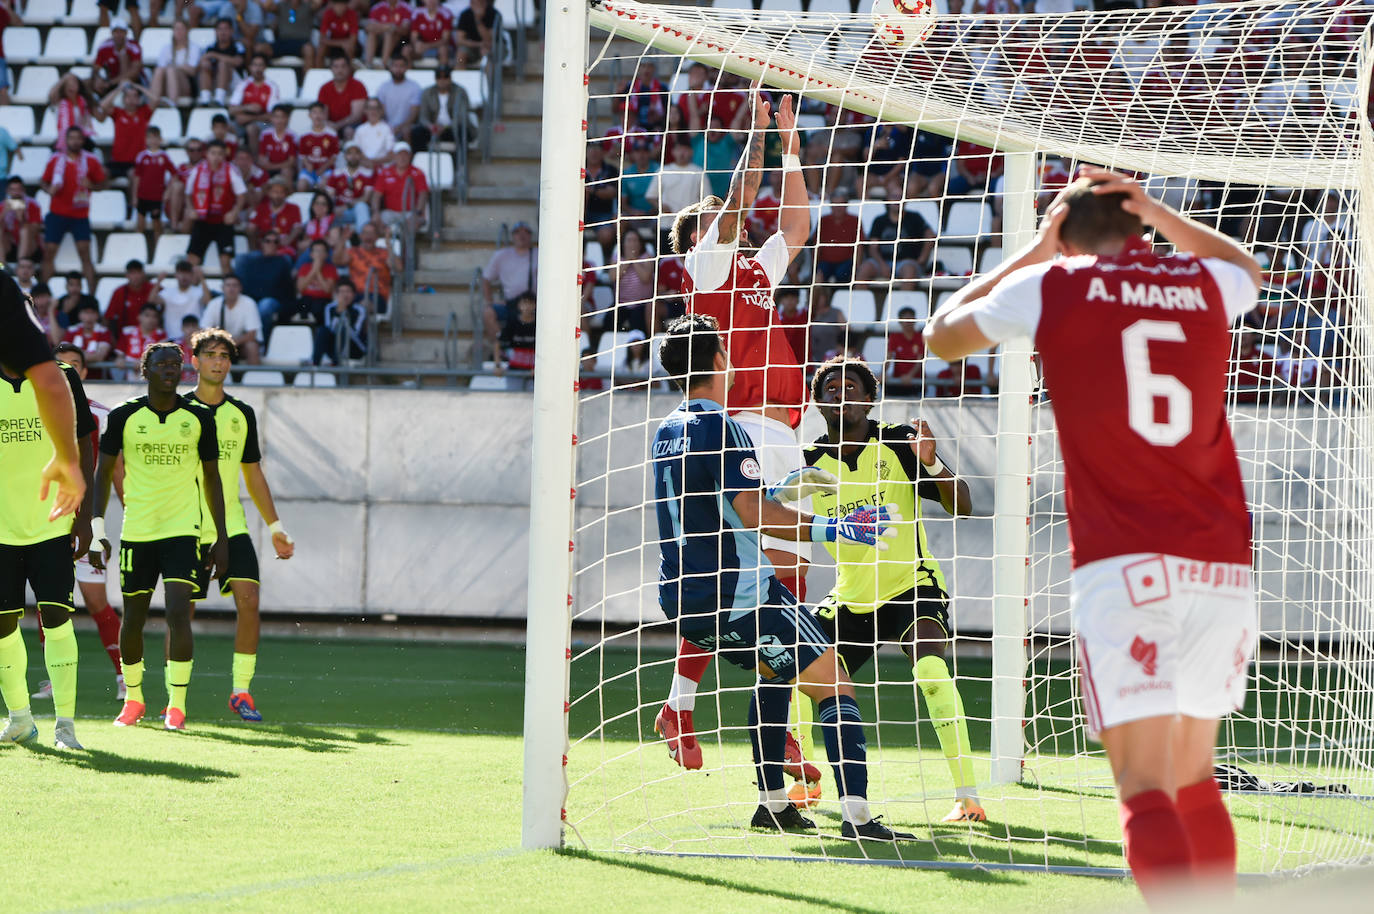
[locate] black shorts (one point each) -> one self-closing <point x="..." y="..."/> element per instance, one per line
<point x="203" y="233"/>
<point x="780" y="634"/>
<point x="47" y="567"/>
<point x="114" y="5"/>
<point x="149" y="208"/>
<point x="141" y="564"/>
<point x="857" y="635"/>
<point x="243" y="566"/>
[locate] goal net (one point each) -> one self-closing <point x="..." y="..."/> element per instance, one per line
<point x="925" y="166"/>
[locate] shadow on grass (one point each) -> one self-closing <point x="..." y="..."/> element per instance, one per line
<point x="300" y="737"/>
<point x="110" y="763"/>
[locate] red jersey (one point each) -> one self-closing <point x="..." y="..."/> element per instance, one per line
<point x="348" y="188"/>
<point x="71" y="199"/>
<point x="318" y="229"/>
<point x="339" y="102"/>
<point x="133" y="341"/>
<point x="904" y="354"/>
<point x="737" y="291"/>
<point x="318" y="150"/>
<point x="125" y="303"/>
<point x="338" y="27"/>
<point x="282" y="221"/>
<point x="256" y="179"/>
<point x="110" y="60"/>
<point x="391" y="184"/>
<point x="328" y="271"/>
<point x="214" y="191"/>
<point x="87" y="340"/>
<point x="391" y="14"/>
<point x="152" y="170"/>
<point x="231" y="147"/>
<point x="431" y="28"/>
<point x="1135" y="349"/>
<point x="14" y="218"/>
<point x="794" y="326"/>
<point x="263" y="94"/>
<point x="278" y="149"/>
<point x="130" y="133"/>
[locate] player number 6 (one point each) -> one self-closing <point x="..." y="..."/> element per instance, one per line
<point x="1143" y="385"/>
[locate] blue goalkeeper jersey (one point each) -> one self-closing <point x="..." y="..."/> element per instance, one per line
<point x="702" y="459"/>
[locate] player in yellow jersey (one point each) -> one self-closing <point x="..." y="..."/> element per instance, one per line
<point x="167" y="445"/>
<point x="213" y="352"/>
<point x="897" y="596"/>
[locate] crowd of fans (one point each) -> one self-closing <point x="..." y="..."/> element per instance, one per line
<point x="329" y="268"/>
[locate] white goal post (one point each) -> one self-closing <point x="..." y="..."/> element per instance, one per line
<point x="1279" y="151"/>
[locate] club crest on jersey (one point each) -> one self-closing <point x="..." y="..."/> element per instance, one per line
<point x="1145" y="653"/>
<point x="750" y="468"/>
<point x="234" y="424"/>
<point x="186" y="429"/>
<point x="884" y="471"/>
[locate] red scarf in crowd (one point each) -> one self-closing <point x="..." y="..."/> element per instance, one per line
<point x="213" y="194"/>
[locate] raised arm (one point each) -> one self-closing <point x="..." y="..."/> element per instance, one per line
<point x="954" y="492"/>
<point x="794" y="219"/>
<point x="744" y="187"/>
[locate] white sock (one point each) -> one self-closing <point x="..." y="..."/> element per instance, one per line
<point x="24" y="716"/>
<point x="774" y="800"/>
<point x="855" y="810"/>
<point x="682" y="696"/>
<point x="966" y="793"/>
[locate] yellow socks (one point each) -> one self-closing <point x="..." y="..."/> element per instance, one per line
<point x="178" y="677"/>
<point x="14" y="673"/>
<point x="946" y="710"/>
<point x="244" y="667"/>
<point x="133" y="682"/>
<point x="801" y="720"/>
<point x="59" y="653"/>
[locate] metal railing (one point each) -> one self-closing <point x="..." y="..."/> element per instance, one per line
<point x="476" y="302"/>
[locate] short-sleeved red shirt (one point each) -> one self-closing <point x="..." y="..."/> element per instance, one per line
<point x="152" y="170"/>
<point x="107" y="57"/>
<point x="318" y="150"/>
<point x="130" y="133"/>
<point x="391" y="184"/>
<point x="349" y="188"/>
<point x="337" y="27"/>
<point x="431" y="29"/>
<point x="282" y="221"/>
<point x="278" y="149"/>
<point x="339" y="102"/>
<point x="904" y="354"/>
<point x="72" y="200"/>
<point x="15" y="218"/>
<point x="391" y="14"/>
<point x="133" y="342"/>
<point x="125" y="303"/>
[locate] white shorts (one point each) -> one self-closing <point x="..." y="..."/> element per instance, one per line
<point x="779" y="453"/>
<point x="86" y="573"/>
<point x="1160" y="635"/>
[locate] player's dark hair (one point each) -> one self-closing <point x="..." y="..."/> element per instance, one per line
<point x="163" y="346"/>
<point x="219" y="119"/>
<point x="216" y="144"/>
<point x="72" y="274"/>
<point x="284" y="109"/>
<point x="1095" y="219"/>
<point x="204" y="339"/>
<point x="70" y="347"/>
<point x="688" y="351"/>
<point x="688" y="221"/>
<point x="844" y="364"/>
<point x="153" y="128"/>
<point x="906" y="312"/>
<point x="149" y="306"/>
<point x="346" y="282"/>
<point x="134" y="264"/>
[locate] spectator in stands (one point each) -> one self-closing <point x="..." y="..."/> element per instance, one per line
<point x="695" y="100"/>
<point x="190" y="326"/>
<point x="829" y="331"/>
<point x="925" y="176"/>
<point x="716" y="152"/>
<point x="475" y="34"/>
<point x="45" y="307"/>
<point x="128" y="300"/>
<point x="402" y="191"/>
<point x="220" y="130"/>
<point x="215" y="192"/>
<point x="293" y="23"/>
<point x="131" y="116"/>
<point x="400" y="98"/>
<point x="319" y="147"/>
<point x="637" y="178"/>
<point x="974" y="167"/>
<point x="511" y="272"/>
<point x="899" y="247"/>
<point x="644" y="99"/>
<point x="441" y="106"/>
<point x="321" y="226"/>
<point x="19" y="224"/>
<point x="838" y="236"/>
<point x="117" y="60"/>
<point x="351" y="187"/>
<point x="149" y="181"/>
<point x="517" y="337"/>
<point x="1255" y="372"/>
<point x="24" y="277"/>
<point x="135" y="338"/>
<point x="252" y="100"/>
<point x="177" y="63"/>
<point x="9" y="16"/>
<point x="346" y="314"/>
<point x="74" y="102"/>
<point x="374" y="136"/>
<point x="634" y="296"/>
<point x="387" y="26"/>
<point x="69" y="180"/>
<point x="600" y="196"/>
<point x="793" y="317"/>
<point x="186" y="294"/>
<point x="343" y="98"/>
<point x="222" y="61"/>
<point x="237" y="314"/>
<point x="370" y="266"/>
<point x="268" y="277"/>
<point x="89" y="335"/>
<point x="177" y="210"/>
<point x="254" y="180"/>
<point x="677" y="184"/>
<point x="276" y="214"/>
<point x="338" y="32"/>
<point x="315" y="281"/>
<point x="905" y="351"/>
<point x="248" y="19"/>
<point x="431" y="33"/>
<point x="278" y="148"/>
<point x="69" y="305"/>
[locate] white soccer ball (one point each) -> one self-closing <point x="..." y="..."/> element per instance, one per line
<point x="903" y="23"/>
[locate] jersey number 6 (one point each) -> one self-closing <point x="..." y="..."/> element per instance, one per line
<point x="1143" y="385"/>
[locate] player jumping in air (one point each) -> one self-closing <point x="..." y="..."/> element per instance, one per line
<point x="1134" y="347"/>
<point x="715" y="582"/>
<point x="167" y="444"/>
<point x="236" y="425"/>
<point x="770" y="388"/>
<point x="39" y="549"/>
<point x="897" y="596"/>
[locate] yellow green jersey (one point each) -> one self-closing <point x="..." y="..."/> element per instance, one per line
<point x="25" y="449"/>
<point x="162" y="467"/>
<point x="883" y="472"/>
<point x="237" y="430"/>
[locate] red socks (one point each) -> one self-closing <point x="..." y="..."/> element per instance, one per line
<point x="692" y="661"/>
<point x="1157" y="848"/>
<point x="1210" y="833"/>
<point x="794" y="582"/>
<point x="107" y="622"/>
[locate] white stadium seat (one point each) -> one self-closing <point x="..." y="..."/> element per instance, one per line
<point x="104" y="131"/>
<point x="67" y="259"/>
<point x="438" y="169"/>
<point x="152" y="41"/>
<point x="49" y="13"/>
<point x="22" y="44"/>
<point x="917" y="301"/>
<point x="746" y="5"/>
<point x="168" y="120"/>
<point x="83" y="12"/>
<point x="202" y="37"/>
<point x="958" y="261"/>
<point x="471" y="82"/>
<point x="47" y="130"/>
<point x="310" y="86"/>
<point x="109" y="209"/>
<point x="968" y="219"/>
<point x="422" y="78"/>
<point x="868" y="212"/>
<point x="314" y="379"/>
<point x="170" y="249"/>
<point x="18" y="120"/>
<point x="290" y="345"/>
<point x="33" y="86"/>
<point x="285" y="80"/>
<point x="102" y="35"/>
<point x="104" y="289"/>
<point x="372" y="80"/>
<point x="515" y="13"/>
<point x="120" y="248"/>
<point x="875" y="353"/>
<point x="66" y="45"/>
<point x="830" y="6"/>
<point x="989" y="260"/>
<point x="302" y="200"/>
<point x="264" y="379"/>
<point x="492" y="382"/>
<point x="299" y="122"/>
<point x="928" y="210"/>
<point x="859" y="305"/>
<point x="178" y="155"/>
<point x="30" y="165"/>
<point x="198" y="125"/>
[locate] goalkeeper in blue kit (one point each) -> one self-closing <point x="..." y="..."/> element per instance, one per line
<point x="715" y="582"/>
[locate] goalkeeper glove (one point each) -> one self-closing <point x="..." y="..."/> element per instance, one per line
<point x="800" y="484"/>
<point x="866" y="526"/>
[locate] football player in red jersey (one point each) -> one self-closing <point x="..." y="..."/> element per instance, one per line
<point x="1134" y="348"/>
<point x="769" y="387"/>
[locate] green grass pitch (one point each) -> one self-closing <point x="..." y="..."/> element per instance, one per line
<point x="388" y="778"/>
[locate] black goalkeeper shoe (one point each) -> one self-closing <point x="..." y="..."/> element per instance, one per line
<point x="873" y="830"/>
<point x="786" y="819"/>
